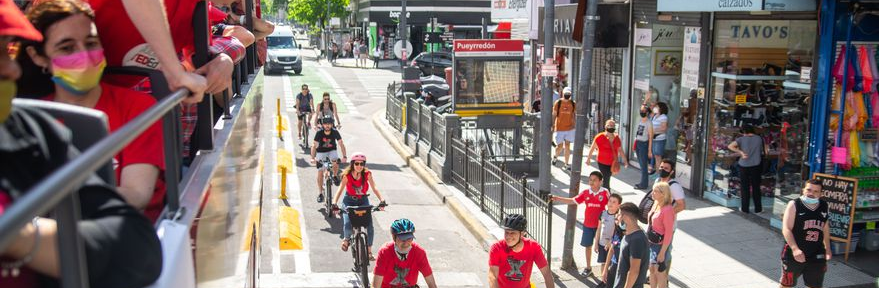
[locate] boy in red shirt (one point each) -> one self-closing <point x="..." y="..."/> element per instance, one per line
<point x="399" y="262"/>
<point x="510" y="260"/>
<point x="596" y="198"/>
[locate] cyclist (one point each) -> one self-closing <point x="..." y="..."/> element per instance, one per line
<point x="327" y="108"/>
<point x="356" y="181"/>
<point x="325" y="146"/>
<point x="304" y="105"/>
<point x="400" y="260"/>
<point x="510" y="260"/>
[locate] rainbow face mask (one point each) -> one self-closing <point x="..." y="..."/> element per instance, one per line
<point x="7" y="92"/>
<point x="79" y="72"/>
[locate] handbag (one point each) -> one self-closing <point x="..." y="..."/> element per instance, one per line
<point x="653" y="236"/>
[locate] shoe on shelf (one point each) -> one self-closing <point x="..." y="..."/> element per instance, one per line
<point x="336" y="180"/>
<point x="320" y="197"/>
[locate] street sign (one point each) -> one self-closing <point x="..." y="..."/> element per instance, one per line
<point x="433" y="37"/>
<point x="400" y="52"/>
<point x="448" y="36"/>
<point x="549" y="69"/>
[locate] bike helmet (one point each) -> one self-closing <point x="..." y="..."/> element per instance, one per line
<point x="515" y="222"/>
<point x="327" y="120"/>
<point x="403" y="229"/>
<point x="358" y="156"/>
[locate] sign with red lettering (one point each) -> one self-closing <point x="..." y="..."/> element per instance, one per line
<point x="840" y="193"/>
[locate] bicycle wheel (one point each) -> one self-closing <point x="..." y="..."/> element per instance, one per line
<point x="328" y="192"/>
<point x="364" y="259"/>
<point x="305" y="135"/>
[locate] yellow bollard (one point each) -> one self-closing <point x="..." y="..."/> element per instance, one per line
<point x="283" y="183"/>
<point x="279" y="119"/>
<point x="285" y="163"/>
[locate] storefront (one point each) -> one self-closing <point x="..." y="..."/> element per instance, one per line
<point x="610" y="60"/>
<point x="847" y="146"/>
<point x="667" y="53"/>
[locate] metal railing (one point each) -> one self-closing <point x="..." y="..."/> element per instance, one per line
<point x="394" y="106"/>
<point x="499" y="193"/>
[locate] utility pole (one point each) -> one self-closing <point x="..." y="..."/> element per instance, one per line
<point x="543" y="145"/>
<point x="327" y="33"/>
<point x="583" y="98"/>
<point x="404" y="35"/>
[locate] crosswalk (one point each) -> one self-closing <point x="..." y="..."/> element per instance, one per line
<point x="376" y="81"/>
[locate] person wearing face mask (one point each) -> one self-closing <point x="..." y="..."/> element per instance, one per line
<point x="399" y="261"/>
<point x="121" y="248"/>
<point x="609" y="148"/>
<point x="659" y="119"/>
<point x="511" y="260"/>
<point x="563" y="124"/>
<point x="667" y="175"/>
<point x="644" y="147"/>
<point x="807" y="238"/>
<point x="72" y="59"/>
<point x="634" y="252"/>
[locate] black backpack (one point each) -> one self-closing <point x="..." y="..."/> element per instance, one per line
<point x="647" y="203"/>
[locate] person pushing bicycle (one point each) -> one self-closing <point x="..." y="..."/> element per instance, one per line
<point x="399" y="261"/>
<point x="356" y="181"/>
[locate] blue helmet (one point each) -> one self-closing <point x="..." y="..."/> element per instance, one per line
<point x="402" y="226"/>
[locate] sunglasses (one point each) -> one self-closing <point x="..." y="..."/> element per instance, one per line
<point x="359" y="163"/>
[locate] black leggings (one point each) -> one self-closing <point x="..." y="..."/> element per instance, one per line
<point x="751" y="188"/>
<point x="605" y="172"/>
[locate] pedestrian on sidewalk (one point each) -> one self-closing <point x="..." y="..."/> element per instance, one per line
<point x="606" y="228"/>
<point x="644" y="147"/>
<point x="660" y="231"/>
<point x="751" y="148"/>
<point x="399" y="261"/>
<point x="596" y="198"/>
<point x="563" y="124"/>
<point x="807" y="238"/>
<point x="609" y="148"/>
<point x="634" y="255"/>
<point x="608" y="275"/>
<point x="377" y="56"/>
<point x="355" y="49"/>
<point x="364" y="53"/>
<point x="667" y="175"/>
<point x="511" y="259"/>
<point x="334" y="53"/>
<point x="660" y="126"/>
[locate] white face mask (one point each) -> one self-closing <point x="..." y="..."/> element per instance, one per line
<point x="655" y="110"/>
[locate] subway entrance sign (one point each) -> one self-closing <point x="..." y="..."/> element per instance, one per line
<point x="487" y="77"/>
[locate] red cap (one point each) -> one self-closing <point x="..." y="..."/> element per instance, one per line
<point x="13" y="23"/>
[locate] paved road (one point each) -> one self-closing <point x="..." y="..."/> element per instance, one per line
<point x="456" y="257"/>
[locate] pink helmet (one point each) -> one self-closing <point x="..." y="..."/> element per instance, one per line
<point x="358" y="156"/>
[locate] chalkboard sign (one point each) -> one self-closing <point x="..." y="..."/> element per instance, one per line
<point x="840" y="193"/>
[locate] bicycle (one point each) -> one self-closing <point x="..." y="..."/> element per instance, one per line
<point x="361" y="217"/>
<point x="328" y="184"/>
<point x="306" y="127"/>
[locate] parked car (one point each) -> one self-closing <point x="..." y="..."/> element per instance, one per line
<point x="283" y="52"/>
<point x="433" y="63"/>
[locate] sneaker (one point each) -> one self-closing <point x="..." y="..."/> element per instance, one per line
<point x="320" y="197"/>
<point x="336" y="180"/>
<point x="601" y="284"/>
<point x="568" y="167"/>
<point x="586" y="272"/>
<point x="554" y="161"/>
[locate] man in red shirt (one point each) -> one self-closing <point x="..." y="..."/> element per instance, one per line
<point x="510" y="260"/>
<point x="596" y="198"/>
<point x="400" y="261"/>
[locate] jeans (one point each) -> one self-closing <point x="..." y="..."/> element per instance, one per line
<point x="605" y="171"/>
<point x="346" y="222"/>
<point x="751" y="188"/>
<point x="641" y="151"/>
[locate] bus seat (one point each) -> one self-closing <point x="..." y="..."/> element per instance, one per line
<point x="87" y="126"/>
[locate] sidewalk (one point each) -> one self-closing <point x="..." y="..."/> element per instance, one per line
<point x="714" y="246"/>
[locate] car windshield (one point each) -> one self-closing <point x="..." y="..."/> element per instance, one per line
<point x="281" y="42"/>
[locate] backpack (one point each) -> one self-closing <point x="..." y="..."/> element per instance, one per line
<point x="647" y="203"/>
<point x="558" y="103"/>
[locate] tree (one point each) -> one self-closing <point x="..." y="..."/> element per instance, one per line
<point x="272" y="6"/>
<point x="314" y="12"/>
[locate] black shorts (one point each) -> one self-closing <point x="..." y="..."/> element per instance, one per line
<point x="812" y="272"/>
<point x="301" y="115"/>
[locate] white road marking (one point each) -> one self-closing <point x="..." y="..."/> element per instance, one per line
<point x="341" y="93"/>
<point x="294" y="197"/>
<point x="350" y="279"/>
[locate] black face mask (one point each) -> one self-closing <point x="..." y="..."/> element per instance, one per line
<point x="643" y="114"/>
<point x="567" y="96"/>
<point x="610" y="130"/>
<point x="664" y="174"/>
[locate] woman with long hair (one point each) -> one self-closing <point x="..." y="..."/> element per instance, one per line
<point x="356" y="182"/>
<point x="660" y="127"/>
<point x="68" y="63"/>
<point x="660" y="229"/>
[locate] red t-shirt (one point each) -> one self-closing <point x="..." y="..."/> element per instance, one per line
<point x="123" y="44"/>
<point x="595" y="204"/>
<point x="514" y="268"/>
<point x="605" y="152"/>
<point x="121" y="106"/>
<point x="401" y="273"/>
<point x="357" y="187"/>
